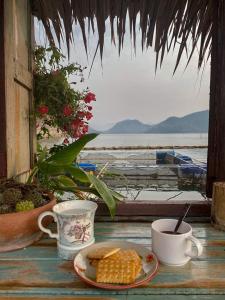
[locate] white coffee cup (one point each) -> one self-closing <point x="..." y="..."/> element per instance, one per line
<point x="75" y="226"/>
<point x="171" y="249"/>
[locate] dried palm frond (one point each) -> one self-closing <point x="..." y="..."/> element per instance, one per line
<point x="163" y="23"/>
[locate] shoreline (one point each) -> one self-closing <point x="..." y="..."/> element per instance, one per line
<point x="144" y="147"/>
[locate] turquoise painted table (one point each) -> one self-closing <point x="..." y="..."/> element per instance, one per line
<point x="37" y="273"/>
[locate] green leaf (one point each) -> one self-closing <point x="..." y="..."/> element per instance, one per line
<point x="65" y="181"/>
<point x="77" y="174"/>
<point x="117" y="196"/>
<point x="74" y="189"/>
<point x="32" y="175"/>
<point x="39" y="147"/>
<point x="69" y="154"/>
<point x="104" y="192"/>
<point x="51" y="169"/>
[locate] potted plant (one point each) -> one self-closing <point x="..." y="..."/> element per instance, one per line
<point x="20" y="206"/>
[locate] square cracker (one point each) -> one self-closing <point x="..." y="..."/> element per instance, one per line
<point x="102" y="252"/>
<point x="113" y="271"/>
<point x="128" y="255"/>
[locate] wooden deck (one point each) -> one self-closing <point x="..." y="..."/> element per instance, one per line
<point x="38" y="273"/>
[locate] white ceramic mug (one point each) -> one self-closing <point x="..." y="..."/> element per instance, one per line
<point x="75" y="226"/>
<point x="171" y="249"/>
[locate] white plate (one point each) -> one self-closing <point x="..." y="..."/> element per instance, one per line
<point x="87" y="273"/>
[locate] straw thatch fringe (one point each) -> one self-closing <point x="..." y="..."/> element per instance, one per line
<point x="163" y="23"/>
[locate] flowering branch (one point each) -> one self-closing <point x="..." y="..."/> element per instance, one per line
<point x="57" y="104"/>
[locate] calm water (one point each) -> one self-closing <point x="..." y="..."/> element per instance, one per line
<point x="187" y="139"/>
<point x="117" y="140"/>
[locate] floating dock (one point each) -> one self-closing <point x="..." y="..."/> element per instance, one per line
<point x="166" y="170"/>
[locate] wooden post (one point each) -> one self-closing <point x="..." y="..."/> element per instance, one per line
<point x="16" y="134"/>
<point x="3" y="157"/>
<point x="216" y="139"/>
<point x="218" y="205"/>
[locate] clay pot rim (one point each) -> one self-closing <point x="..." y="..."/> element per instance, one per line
<point x="23" y="213"/>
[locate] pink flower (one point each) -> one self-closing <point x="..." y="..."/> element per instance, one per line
<point x="88" y="115"/>
<point x="81" y="114"/>
<point x="77" y="134"/>
<point x="89" y="97"/>
<point x="75" y="124"/>
<point x="43" y="109"/>
<point x="65" y="127"/>
<point x="67" y="110"/>
<point x="66" y="141"/>
<point x="85" y="128"/>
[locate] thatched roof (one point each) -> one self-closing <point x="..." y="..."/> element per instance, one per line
<point x="163" y="23"/>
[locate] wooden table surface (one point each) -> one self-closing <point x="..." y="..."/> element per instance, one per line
<point x="37" y="273"/>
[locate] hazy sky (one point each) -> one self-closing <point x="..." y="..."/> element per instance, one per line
<point x="127" y="87"/>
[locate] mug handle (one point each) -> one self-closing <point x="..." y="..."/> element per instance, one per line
<point x="48" y="231"/>
<point x="198" y="245"/>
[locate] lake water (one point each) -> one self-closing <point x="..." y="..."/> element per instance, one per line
<point x="178" y="139"/>
<point x="146" y="140"/>
<point x="156" y="140"/>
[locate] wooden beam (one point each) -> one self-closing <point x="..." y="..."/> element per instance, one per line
<point x="216" y="139"/>
<point x="156" y="209"/>
<point x="3" y="156"/>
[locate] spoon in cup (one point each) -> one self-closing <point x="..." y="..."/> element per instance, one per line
<point x="180" y="220"/>
<point x="182" y="217"/>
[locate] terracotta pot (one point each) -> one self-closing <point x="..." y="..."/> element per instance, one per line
<point x="20" y="229"/>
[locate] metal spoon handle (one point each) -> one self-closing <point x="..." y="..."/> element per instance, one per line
<point x="187" y="207"/>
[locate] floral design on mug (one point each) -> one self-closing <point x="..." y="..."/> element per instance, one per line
<point x="77" y="231"/>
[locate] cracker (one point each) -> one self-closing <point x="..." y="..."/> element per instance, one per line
<point x="128" y="255"/>
<point x="113" y="271"/>
<point x="102" y="252"/>
<point x="138" y="270"/>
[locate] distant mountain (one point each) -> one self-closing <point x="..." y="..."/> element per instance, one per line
<point x="129" y="126"/>
<point x="193" y="123"/>
<point x="92" y="130"/>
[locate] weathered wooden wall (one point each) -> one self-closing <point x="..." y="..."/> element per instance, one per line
<point x="16" y="129"/>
